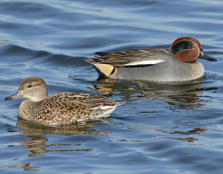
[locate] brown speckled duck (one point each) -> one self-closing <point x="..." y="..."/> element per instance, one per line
<point x="59" y="108"/>
<point x="178" y="64"/>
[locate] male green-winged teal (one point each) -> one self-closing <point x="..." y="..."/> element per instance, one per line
<point x="178" y="64"/>
<point x="59" y="108"/>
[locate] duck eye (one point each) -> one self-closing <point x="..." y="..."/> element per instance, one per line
<point x="30" y="86"/>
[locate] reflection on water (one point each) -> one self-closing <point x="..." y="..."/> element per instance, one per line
<point x="38" y="143"/>
<point x="193" y="131"/>
<point x="39" y="146"/>
<point x="176" y="126"/>
<point x="173" y="135"/>
<point x="30" y="129"/>
<point x="184" y="95"/>
<point x="189" y="139"/>
<point x="25" y="166"/>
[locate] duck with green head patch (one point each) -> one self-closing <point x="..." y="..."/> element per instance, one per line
<point x="178" y="64"/>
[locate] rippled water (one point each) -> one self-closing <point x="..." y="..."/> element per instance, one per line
<point x="162" y="128"/>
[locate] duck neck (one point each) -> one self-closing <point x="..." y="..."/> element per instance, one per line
<point x="29" y="109"/>
<point x="39" y="96"/>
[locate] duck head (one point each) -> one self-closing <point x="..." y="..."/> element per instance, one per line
<point x="34" y="88"/>
<point x="188" y="49"/>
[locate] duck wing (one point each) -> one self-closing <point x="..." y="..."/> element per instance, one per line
<point x="132" y="57"/>
<point x="71" y="101"/>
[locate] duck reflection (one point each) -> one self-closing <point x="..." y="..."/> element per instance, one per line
<point x="172" y="134"/>
<point x="189" y="139"/>
<point x="190" y="132"/>
<point x="25" y="166"/>
<point x="183" y="95"/>
<point x="38" y="143"/>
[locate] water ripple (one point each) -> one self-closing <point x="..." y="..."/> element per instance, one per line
<point x="176" y="126"/>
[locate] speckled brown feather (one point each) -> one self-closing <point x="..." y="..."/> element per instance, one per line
<point x="68" y="107"/>
<point x="59" y="108"/>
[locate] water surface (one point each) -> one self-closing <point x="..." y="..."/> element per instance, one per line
<point x="162" y="128"/>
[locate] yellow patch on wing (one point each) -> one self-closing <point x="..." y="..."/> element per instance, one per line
<point x="105" y="68"/>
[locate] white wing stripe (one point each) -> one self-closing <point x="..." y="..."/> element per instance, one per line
<point x="144" y="62"/>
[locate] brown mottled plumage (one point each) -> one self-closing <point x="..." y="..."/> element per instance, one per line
<point x="59" y="108"/>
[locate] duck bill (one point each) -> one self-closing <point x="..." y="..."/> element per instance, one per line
<point x="207" y="57"/>
<point x="14" y="96"/>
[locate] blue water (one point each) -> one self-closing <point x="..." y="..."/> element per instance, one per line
<point x="162" y="128"/>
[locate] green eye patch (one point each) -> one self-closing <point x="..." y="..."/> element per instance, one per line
<point x="181" y="46"/>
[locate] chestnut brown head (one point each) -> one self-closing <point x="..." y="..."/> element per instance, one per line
<point x="188" y="49"/>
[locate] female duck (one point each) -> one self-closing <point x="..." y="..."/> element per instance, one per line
<point x="178" y="64"/>
<point x="59" y="108"/>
